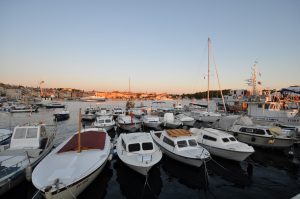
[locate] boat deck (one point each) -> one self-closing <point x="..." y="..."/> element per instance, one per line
<point x="178" y="132"/>
<point x="89" y="140"/>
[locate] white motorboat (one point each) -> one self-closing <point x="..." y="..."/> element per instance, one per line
<point x="204" y="116"/>
<point x="89" y="116"/>
<point x="93" y="99"/>
<point x="5" y="135"/>
<point x="152" y="121"/>
<point x="116" y="111"/>
<point x="70" y="168"/>
<point x="222" y="144"/>
<point x="28" y="146"/>
<point x="103" y="111"/>
<point x="181" y="145"/>
<point x="137" y="112"/>
<point x="128" y="123"/>
<point x="22" y="108"/>
<point x="105" y="121"/>
<point x="243" y="128"/>
<point x="186" y="120"/>
<point x="55" y="105"/>
<point x="170" y="121"/>
<point x="138" y="151"/>
<point x="61" y="115"/>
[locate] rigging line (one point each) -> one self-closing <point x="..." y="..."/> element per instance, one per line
<point x="213" y="57"/>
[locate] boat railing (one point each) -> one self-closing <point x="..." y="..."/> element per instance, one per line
<point x="4" y="137"/>
<point x="15" y="165"/>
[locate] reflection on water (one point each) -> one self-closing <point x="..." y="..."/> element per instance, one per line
<point x="98" y="188"/>
<point x="189" y="176"/>
<point x="132" y="184"/>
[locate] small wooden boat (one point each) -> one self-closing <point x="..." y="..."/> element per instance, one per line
<point x="71" y="167"/>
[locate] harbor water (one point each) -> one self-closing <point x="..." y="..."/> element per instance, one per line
<point x="265" y="174"/>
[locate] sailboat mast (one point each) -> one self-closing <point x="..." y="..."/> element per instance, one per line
<point x="79" y="132"/>
<point x="208" y="43"/>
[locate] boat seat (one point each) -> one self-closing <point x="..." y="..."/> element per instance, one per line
<point x="178" y="132"/>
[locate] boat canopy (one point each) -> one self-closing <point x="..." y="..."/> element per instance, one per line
<point x="178" y="132"/>
<point x="26" y="137"/>
<point x="89" y="140"/>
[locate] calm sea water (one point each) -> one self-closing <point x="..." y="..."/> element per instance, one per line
<point x="274" y="174"/>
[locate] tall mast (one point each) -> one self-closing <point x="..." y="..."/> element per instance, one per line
<point x="129" y="85"/>
<point x="254" y="79"/>
<point x="208" y="43"/>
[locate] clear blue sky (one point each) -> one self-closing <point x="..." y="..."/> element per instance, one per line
<point x="160" y="44"/>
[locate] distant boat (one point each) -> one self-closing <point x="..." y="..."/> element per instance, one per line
<point x="62" y="115"/>
<point x="128" y="123"/>
<point x="55" y="105"/>
<point x="93" y="99"/>
<point x="28" y="146"/>
<point x="105" y="121"/>
<point x="67" y="171"/>
<point x="152" y="121"/>
<point x="22" y="108"/>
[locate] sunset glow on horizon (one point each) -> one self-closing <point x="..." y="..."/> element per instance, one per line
<point x="160" y="45"/>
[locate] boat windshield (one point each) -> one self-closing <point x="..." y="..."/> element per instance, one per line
<point x="192" y="142"/>
<point x="147" y="146"/>
<point x="108" y="121"/>
<point x="134" y="147"/>
<point x="232" y="139"/>
<point x="182" y="143"/>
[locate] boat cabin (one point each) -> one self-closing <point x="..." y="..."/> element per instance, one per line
<point x="210" y="135"/>
<point x="137" y="142"/>
<point x="104" y="119"/>
<point x="28" y="137"/>
<point x="177" y="138"/>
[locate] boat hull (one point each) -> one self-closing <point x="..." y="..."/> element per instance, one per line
<point x="130" y="127"/>
<point x="190" y="161"/>
<point x="19" y="177"/>
<point x="227" y="154"/>
<point x="267" y="142"/>
<point x="152" y="125"/>
<point x="76" y="188"/>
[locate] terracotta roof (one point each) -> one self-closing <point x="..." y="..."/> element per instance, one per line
<point x="178" y="132"/>
<point x="89" y="140"/>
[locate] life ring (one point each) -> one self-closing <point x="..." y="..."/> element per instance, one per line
<point x="253" y="139"/>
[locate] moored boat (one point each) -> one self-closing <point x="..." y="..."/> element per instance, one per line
<point x="222" y="144"/>
<point x="70" y="167"/>
<point x="128" y="123"/>
<point x="28" y="146"/>
<point x="138" y="151"/>
<point x="181" y="145"/>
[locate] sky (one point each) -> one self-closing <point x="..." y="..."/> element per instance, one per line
<point x="160" y="45"/>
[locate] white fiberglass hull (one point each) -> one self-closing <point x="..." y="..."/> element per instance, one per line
<point x="153" y="125"/>
<point x="130" y="127"/>
<point x="74" y="189"/>
<point x="227" y="154"/>
<point x="262" y="141"/>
